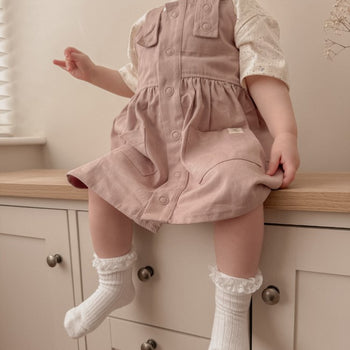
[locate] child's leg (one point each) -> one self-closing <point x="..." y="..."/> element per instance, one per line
<point x="238" y="244"/>
<point x="111" y="230"/>
<point x="111" y="233"/>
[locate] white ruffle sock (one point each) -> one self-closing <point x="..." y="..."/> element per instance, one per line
<point x="231" y="319"/>
<point x="115" y="289"/>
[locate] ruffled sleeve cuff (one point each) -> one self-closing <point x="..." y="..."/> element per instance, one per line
<point x="129" y="75"/>
<point x="257" y="36"/>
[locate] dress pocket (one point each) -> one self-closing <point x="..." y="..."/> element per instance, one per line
<point x="149" y="33"/>
<point x="142" y="163"/>
<point x="204" y="150"/>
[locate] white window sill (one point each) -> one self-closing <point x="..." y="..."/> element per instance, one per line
<point x="22" y="140"/>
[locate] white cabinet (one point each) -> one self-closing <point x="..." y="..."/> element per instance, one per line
<point x="34" y="296"/>
<point x="310" y="266"/>
<point x="305" y="256"/>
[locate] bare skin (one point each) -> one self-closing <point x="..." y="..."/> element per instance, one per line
<point x="80" y="66"/>
<point x="111" y="230"/>
<point x="238" y="241"/>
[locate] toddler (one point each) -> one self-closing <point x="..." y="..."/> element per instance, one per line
<point x="208" y="132"/>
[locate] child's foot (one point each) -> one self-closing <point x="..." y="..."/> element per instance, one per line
<point x="115" y="290"/>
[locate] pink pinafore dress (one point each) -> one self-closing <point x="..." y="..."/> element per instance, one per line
<point x="190" y="146"/>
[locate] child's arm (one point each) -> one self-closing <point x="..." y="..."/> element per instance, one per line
<point x="272" y="98"/>
<point x="110" y="80"/>
<point x="80" y="66"/>
<point x="122" y="82"/>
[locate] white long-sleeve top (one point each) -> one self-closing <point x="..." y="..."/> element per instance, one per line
<point x="257" y="36"/>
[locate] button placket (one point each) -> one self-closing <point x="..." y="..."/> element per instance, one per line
<point x="175" y="135"/>
<point x="169" y="51"/>
<point x="169" y="91"/>
<point x="164" y="200"/>
<point x="207" y="7"/>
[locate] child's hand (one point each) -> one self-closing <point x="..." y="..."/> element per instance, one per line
<point x="78" y="64"/>
<point x="284" y="151"/>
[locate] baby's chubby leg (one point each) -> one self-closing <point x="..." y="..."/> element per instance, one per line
<point x="238" y="244"/>
<point x="111" y="233"/>
<point x="111" y="230"/>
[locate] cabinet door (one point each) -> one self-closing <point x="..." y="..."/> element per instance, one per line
<point x="311" y="269"/>
<point x="34" y="296"/>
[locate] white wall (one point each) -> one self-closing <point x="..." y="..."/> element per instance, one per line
<point x="319" y="87"/>
<point x="76" y="117"/>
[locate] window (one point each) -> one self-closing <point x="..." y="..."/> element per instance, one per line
<point x="6" y="119"/>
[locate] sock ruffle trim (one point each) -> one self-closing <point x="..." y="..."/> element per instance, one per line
<point x="119" y="263"/>
<point x="235" y="284"/>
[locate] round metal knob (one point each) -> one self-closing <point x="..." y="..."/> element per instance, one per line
<point x="271" y="295"/>
<point x="145" y="273"/>
<point x="149" y="345"/>
<point x="52" y="260"/>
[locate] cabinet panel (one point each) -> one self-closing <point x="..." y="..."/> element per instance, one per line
<point x="34" y="296"/>
<point x="130" y="336"/>
<point x="180" y="295"/>
<point x="311" y="269"/>
<point x="322" y="306"/>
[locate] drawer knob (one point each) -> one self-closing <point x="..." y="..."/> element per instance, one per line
<point x="145" y="273"/>
<point x="52" y="260"/>
<point x="149" y="345"/>
<point x="271" y="295"/>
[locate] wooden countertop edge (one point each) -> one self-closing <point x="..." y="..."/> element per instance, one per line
<point x="43" y="191"/>
<point x="336" y="202"/>
<point x="325" y="192"/>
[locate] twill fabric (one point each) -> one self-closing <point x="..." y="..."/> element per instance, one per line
<point x="190" y="146"/>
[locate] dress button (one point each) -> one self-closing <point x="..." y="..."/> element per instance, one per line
<point x="206" y="26"/>
<point x="175" y="135"/>
<point x="206" y="7"/>
<point x="170" y="52"/>
<point x="174" y="14"/>
<point x="169" y="90"/>
<point x="164" y="200"/>
<point x="177" y="174"/>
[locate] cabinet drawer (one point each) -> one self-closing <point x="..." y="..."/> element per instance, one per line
<point x="180" y="295"/>
<point x="127" y="335"/>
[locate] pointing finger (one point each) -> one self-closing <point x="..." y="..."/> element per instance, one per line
<point x="60" y="63"/>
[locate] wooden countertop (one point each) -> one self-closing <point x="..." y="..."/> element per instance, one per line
<point x="326" y="192"/>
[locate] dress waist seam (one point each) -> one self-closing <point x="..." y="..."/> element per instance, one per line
<point x="194" y="75"/>
<point x="191" y="75"/>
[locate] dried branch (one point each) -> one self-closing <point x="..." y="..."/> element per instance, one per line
<point x="338" y="23"/>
